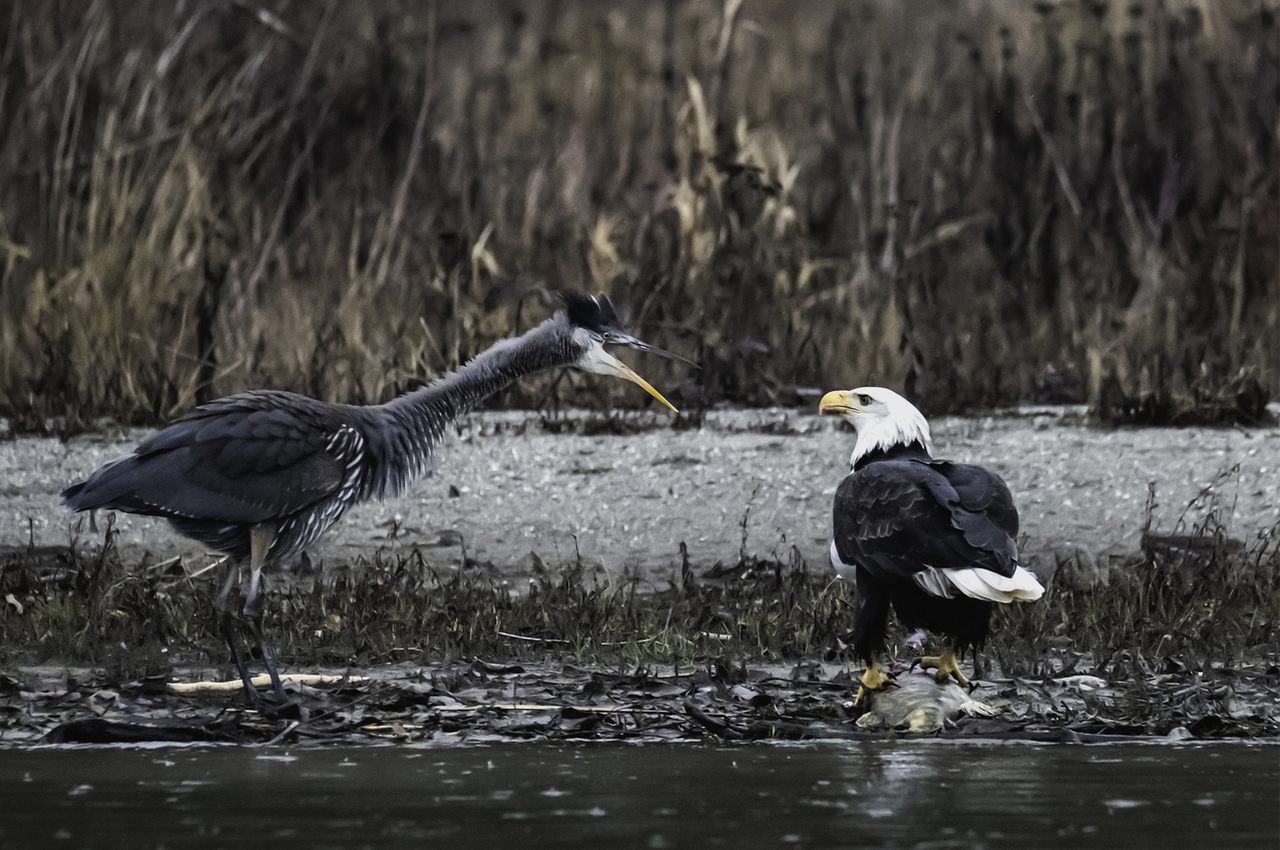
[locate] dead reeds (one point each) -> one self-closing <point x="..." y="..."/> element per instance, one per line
<point x="1192" y="601"/>
<point x="978" y="203"/>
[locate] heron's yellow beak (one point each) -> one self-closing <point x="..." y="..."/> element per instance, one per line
<point x="601" y="362"/>
<point x="838" y="401"/>
<point x="646" y="386"/>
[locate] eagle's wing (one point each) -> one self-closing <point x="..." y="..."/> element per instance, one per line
<point x="981" y="491"/>
<point x="949" y="528"/>
<point x="246" y="458"/>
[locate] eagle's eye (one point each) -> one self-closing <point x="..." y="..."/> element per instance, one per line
<point x="864" y="400"/>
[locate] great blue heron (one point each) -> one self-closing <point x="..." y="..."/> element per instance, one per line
<point x="261" y="475"/>
<point x="934" y="539"/>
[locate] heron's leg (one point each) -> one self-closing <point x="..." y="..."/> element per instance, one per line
<point x="873" y="679"/>
<point x="222" y="604"/>
<point x="254" y="602"/>
<point x="946" y="665"/>
<point x="254" y="614"/>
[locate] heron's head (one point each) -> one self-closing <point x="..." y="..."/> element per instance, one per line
<point x="882" y="418"/>
<point x="595" y="326"/>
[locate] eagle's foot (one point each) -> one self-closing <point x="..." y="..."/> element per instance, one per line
<point x="873" y="679"/>
<point x="946" y="667"/>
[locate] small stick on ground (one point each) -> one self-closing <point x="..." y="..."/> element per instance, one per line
<point x="716" y="727"/>
<point x="538" y="706"/>
<point x="262" y="680"/>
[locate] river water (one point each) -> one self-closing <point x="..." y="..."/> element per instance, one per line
<point x="892" y="793"/>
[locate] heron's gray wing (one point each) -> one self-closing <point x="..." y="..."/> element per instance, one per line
<point x="894" y="518"/>
<point x="243" y="459"/>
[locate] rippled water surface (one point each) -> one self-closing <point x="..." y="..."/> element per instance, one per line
<point x="880" y="794"/>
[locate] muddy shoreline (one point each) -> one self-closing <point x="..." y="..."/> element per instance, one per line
<point x="476" y="701"/>
<point x="535" y="589"/>
<point x="622" y="493"/>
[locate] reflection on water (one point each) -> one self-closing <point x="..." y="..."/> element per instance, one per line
<point x="866" y="794"/>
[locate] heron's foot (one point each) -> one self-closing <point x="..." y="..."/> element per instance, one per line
<point x="873" y="679"/>
<point x="277" y="708"/>
<point x="276" y="704"/>
<point x="249" y="696"/>
<point x="268" y="659"/>
<point x="279" y="696"/>
<point x="946" y="667"/>
<point x="249" y="692"/>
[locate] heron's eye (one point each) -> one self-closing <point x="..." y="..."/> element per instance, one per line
<point x="606" y="336"/>
<point x="864" y="400"/>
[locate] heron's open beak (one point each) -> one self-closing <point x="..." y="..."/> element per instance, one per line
<point x="641" y="345"/>
<point x="838" y="401"/>
<point x="606" y="363"/>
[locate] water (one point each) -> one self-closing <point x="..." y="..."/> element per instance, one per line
<point x="929" y="794"/>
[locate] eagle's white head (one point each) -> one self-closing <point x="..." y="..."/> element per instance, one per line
<point x="882" y="418"/>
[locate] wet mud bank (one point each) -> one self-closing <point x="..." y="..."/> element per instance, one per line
<point x="483" y="702"/>
<point x="95" y="652"/>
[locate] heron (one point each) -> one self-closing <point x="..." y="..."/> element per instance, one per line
<point x="259" y="476"/>
<point x="936" y="540"/>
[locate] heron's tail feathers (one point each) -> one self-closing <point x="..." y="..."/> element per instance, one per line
<point x="71" y="495"/>
<point x="112" y="486"/>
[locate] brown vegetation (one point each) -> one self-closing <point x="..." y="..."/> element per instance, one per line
<point x="1148" y="654"/>
<point x="977" y="202"/>
<point x="83" y="605"/>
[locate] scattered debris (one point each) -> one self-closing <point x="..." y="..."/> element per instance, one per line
<point x="478" y="701"/>
<point x="392" y="648"/>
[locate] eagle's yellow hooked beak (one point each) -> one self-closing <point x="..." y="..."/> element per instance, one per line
<point x="838" y="401"/>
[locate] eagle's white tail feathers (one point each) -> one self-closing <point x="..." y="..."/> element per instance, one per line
<point x="845" y="571"/>
<point x="978" y="583"/>
<point x="933" y="582"/>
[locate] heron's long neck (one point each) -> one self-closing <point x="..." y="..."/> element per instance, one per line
<point x="415" y="422"/>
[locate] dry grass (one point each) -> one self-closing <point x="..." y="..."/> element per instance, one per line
<point x="979" y="202"/>
<point x="82" y="605"/>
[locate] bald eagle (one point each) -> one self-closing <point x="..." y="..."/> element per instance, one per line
<point x="935" y="540"/>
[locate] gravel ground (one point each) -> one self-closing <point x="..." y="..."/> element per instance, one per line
<point x="508" y="487"/>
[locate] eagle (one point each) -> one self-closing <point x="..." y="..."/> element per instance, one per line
<point x="933" y="539"/>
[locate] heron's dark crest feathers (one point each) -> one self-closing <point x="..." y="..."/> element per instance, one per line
<point x="593" y="312"/>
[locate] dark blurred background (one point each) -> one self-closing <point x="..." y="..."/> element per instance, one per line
<point x="978" y="203"/>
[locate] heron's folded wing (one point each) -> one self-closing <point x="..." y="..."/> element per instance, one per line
<point x="244" y="459"/>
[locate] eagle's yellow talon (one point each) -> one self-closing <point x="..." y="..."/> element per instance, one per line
<point x="946" y="666"/>
<point x="873" y="679"/>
